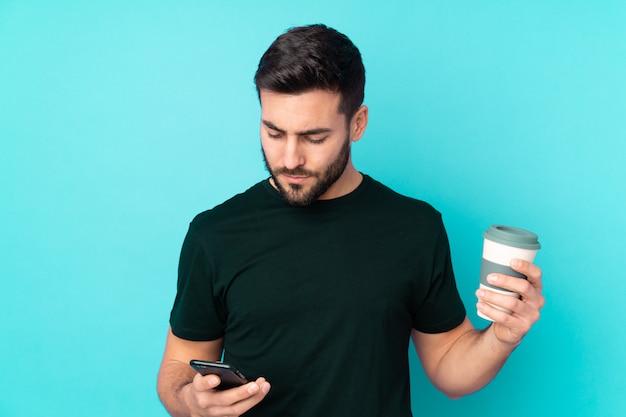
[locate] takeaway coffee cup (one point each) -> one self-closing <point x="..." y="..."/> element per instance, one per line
<point x="502" y="244"/>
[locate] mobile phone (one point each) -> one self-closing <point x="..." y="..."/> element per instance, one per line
<point x="231" y="377"/>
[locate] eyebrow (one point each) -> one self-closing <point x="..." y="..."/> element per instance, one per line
<point x="314" y="131"/>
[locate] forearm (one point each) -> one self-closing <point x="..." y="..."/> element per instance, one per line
<point x="471" y="363"/>
<point x="174" y="379"/>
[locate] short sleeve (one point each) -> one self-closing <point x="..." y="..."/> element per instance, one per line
<point x="196" y="314"/>
<point x="442" y="309"/>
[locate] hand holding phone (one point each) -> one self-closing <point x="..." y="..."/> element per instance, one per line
<point x="230" y="376"/>
<point x="204" y="396"/>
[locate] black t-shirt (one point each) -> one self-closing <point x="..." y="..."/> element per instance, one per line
<point x="320" y="300"/>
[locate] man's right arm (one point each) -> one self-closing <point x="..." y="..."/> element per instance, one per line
<point x="184" y="392"/>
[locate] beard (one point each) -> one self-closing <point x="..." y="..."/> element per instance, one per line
<point x="299" y="196"/>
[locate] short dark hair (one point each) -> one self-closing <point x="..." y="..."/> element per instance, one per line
<point x="314" y="57"/>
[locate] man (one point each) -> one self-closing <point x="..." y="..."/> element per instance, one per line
<point x="315" y="280"/>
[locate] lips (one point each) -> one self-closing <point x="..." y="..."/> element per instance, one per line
<point x="295" y="179"/>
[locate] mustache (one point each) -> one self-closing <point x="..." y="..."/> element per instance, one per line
<point x="296" y="172"/>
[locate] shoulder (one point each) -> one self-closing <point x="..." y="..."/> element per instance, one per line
<point x="386" y="198"/>
<point x="233" y="208"/>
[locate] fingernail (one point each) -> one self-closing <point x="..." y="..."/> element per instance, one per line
<point x="492" y="278"/>
<point x="265" y="388"/>
<point x="516" y="263"/>
<point x="253" y="389"/>
<point x="480" y="293"/>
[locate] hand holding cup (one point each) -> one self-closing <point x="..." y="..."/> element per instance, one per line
<point x="501" y="245"/>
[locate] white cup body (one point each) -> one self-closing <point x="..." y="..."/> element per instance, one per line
<point x="503" y="254"/>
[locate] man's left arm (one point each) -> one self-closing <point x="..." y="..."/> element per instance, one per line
<point x="464" y="360"/>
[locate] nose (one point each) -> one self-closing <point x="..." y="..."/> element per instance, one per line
<point x="293" y="156"/>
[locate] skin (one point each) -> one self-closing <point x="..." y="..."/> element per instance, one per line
<point x="303" y="137"/>
<point x="464" y="359"/>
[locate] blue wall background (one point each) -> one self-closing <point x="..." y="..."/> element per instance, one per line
<point x="119" y="121"/>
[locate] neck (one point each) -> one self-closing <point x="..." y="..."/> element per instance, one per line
<point x="349" y="180"/>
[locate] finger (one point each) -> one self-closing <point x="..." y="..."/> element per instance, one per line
<point x="523" y="287"/>
<point x="258" y="394"/>
<point x="518" y="319"/>
<point x="206" y="382"/>
<point x="494" y="313"/>
<point x="507" y="282"/>
<point x="244" y="392"/>
<point x="508" y="302"/>
<point x="528" y="291"/>
<point x="525" y="309"/>
<point x="532" y="272"/>
<point x="237" y="401"/>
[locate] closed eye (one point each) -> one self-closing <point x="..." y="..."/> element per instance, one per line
<point x="274" y="135"/>
<point x="315" y="141"/>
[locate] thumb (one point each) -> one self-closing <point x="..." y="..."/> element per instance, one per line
<point x="206" y="382"/>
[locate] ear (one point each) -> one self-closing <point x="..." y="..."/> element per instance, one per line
<point x="358" y="123"/>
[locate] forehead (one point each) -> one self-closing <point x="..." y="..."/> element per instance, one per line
<point x="315" y="108"/>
